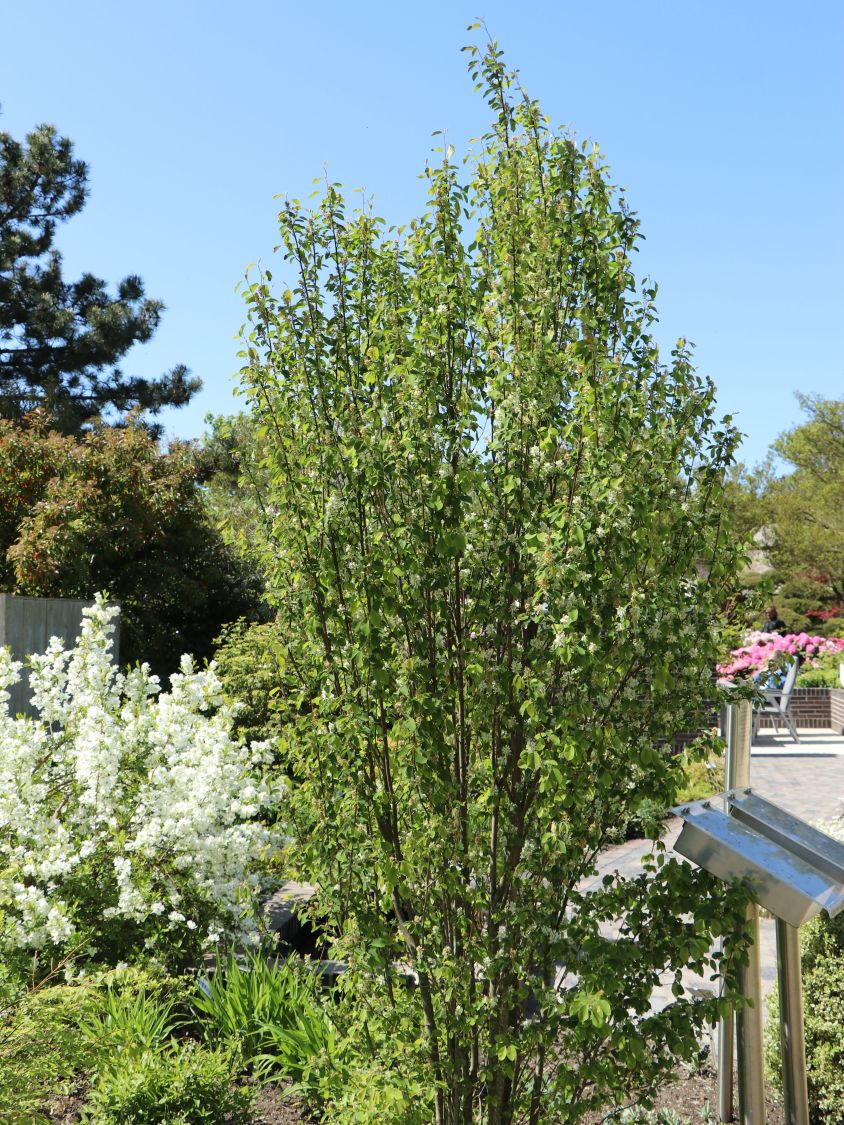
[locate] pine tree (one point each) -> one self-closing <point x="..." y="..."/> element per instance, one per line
<point x="60" y="340"/>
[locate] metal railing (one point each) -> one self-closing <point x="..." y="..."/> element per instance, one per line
<point x="792" y="870"/>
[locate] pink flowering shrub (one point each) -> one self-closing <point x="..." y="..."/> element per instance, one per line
<point x="762" y="650"/>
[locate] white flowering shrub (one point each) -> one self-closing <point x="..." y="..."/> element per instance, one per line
<point x="129" y="817"/>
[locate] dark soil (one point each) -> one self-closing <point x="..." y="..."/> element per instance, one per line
<point x="276" y="1107"/>
<point x="694" y="1093"/>
<point x="65" y="1109"/>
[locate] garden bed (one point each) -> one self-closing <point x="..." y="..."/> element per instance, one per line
<point x="274" y="1106"/>
<point x="694" y="1099"/>
<point x="689" y="1097"/>
<point x="692" y="1094"/>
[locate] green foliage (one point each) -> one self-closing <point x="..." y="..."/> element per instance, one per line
<point x="638" y="1116"/>
<point x="60" y="340"/>
<point x="800" y="597"/>
<point x="307" y="1050"/>
<point x="745" y="497"/>
<point x="236" y="478"/>
<point x="386" y="1083"/>
<point x="236" y="1000"/>
<point x="801" y="512"/>
<point x="701" y="777"/>
<point x="110" y="512"/>
<point x="186" y="1085"/>
<point x="251" y="663"/>
<point x="115" y="1031"/>
<point x="41" y="1050"/>
<point x="275" y="1017"/>
<point x="494" y="535"/>
<point x="802" y="591"/>
<point x="834" y="627"/>
<point x="13" y="982"/>
<point x="129" y="1024"/>
<point x="702" y="766"/>
<point x="808" y="502"/>
<point x="822" y="945"/>
<point x="827" y="674"/>
<point x="796" y="622"/>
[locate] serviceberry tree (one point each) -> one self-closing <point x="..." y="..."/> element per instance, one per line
<point x="493" y="533"/>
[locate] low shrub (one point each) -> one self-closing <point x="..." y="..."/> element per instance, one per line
<point x="833" y="627"/>
<point x="116" y="1034"/>
<point x="819" y="678"/>
<point x="825" y="673"/>
<point x="806" y="602"/>
<point x="701" y="777"/>
<point x="185" y="1085"/>
<point x="131" y="819"/>
<point x="41" y="1050"/>
<point x="378" y="1082"/>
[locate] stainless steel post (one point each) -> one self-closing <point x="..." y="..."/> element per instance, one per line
<point x="725" y="1062"/>
<point x="738" y="722"/>
<point x="739" y="732"/>
<point x="751" y="1086"/>
<point x="790" y="981"/>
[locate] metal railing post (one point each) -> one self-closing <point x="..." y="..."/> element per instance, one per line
<point x="739" y="731"/>
<point x="726" y="1047"/>
<point x="738" y="720"/>
<point x="793" y="1044"/>
<point x="749" y="1044"/>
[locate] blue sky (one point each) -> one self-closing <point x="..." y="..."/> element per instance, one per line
<point x="724" y="121"/>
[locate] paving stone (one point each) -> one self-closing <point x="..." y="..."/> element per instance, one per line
<point x="282" y="910"/>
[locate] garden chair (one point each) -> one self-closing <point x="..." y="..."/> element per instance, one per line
<point x="776" y="703"/>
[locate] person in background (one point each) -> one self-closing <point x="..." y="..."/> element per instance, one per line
<point x="773" y="622"/>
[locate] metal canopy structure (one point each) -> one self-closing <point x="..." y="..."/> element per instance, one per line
<point x="792" y="870"/>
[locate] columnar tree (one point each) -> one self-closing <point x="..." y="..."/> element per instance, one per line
<point x="60" y="340"/>
<point x="493" y="533"/>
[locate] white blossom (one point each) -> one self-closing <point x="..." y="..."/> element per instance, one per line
<point x="147" y="789"/>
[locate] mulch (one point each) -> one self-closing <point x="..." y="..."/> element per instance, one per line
<point x="692" y="1094"/>
<point x="690" y="1097"/>
<point x="275" y="1106"/>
